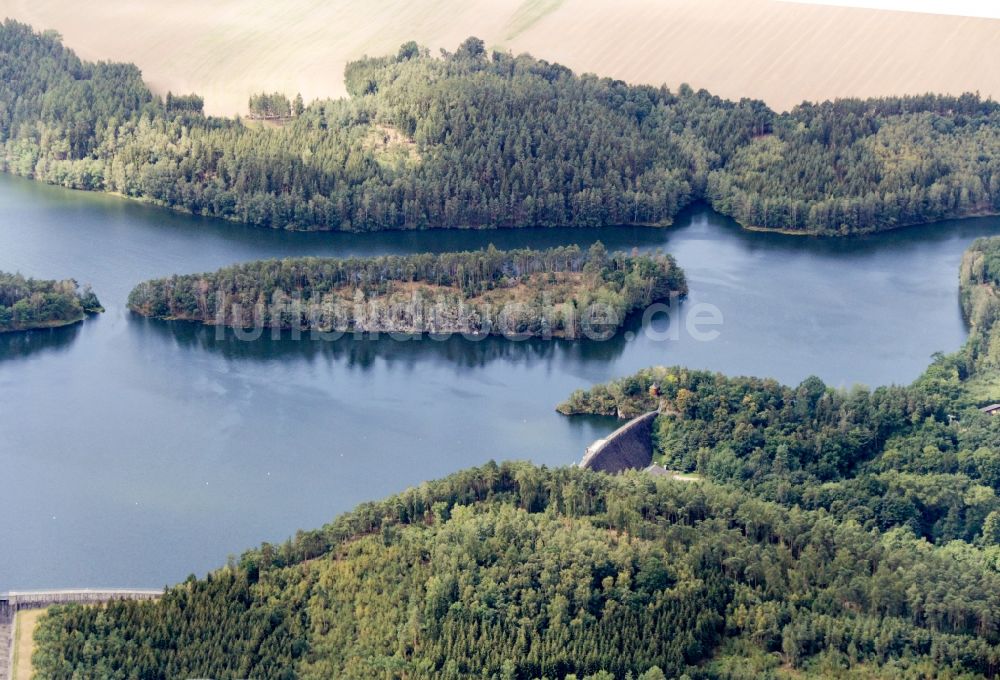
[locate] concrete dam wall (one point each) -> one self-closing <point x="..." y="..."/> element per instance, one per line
<point x="630" y="447"/>
<point x="11" y="603"/>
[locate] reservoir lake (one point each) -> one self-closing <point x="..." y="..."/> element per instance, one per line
<point x="135" y="452"/>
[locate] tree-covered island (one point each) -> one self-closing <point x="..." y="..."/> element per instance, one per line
<point x="559" y="292"/>
<point x="27" y="304"/>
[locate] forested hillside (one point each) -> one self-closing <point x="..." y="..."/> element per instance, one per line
<point x="923" y="457"/>
<point x="31" y="303"/>
<point x="852" y="166"/>
<point x="837" y="534"/>
<point x="514" y="571"/>
<point x="477" y="139"/>
<point x="560" y="292"/>
<point x="915" y="457"/>
<point x="981" y="303"/>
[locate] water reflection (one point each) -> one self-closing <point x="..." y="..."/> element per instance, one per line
<point x="23" y="344"/>
<point x="898" y="241"/>
<point x="141" y="450"/>
<point x="363" y="351"/>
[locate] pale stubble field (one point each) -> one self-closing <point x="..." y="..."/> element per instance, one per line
<point x="778" y="51"/>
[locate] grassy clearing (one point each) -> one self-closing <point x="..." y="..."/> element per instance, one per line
<point x="24" y="642"/>
<point x="984" y="388"/>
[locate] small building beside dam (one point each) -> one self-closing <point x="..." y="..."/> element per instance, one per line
<point x="630" y="447"/>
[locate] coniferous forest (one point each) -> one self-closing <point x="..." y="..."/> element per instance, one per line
<point x="833" y="533"/>
<point x="817" y="532"/>
<point x="560" y="292"/>
<point x="487" y="139"/>
<point x="29" y="303"/>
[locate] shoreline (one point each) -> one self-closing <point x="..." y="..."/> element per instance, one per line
<point x="46" y="325"/>
<point x="373" y="333"/>
<point x="306" y="230"/>
<point x="859" y="234"/>
<point x="667" y="224"/>
<point x="520" y="293"/>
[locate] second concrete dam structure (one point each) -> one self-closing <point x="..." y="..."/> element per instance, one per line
<point x="630" y="447"/>
<point x="11" y="603"/>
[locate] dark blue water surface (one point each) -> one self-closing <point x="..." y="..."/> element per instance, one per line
<point x="136" y="452"/>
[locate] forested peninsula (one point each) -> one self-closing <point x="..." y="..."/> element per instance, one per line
<point x="923" y="456"/>
<point x="560" y="292"/>
<point x="27" y="304"/>
<point x="479" y="139"/>
<point x="851" y="534"/>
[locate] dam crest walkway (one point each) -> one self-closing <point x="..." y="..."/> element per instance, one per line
<point x="15" y="601"/>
